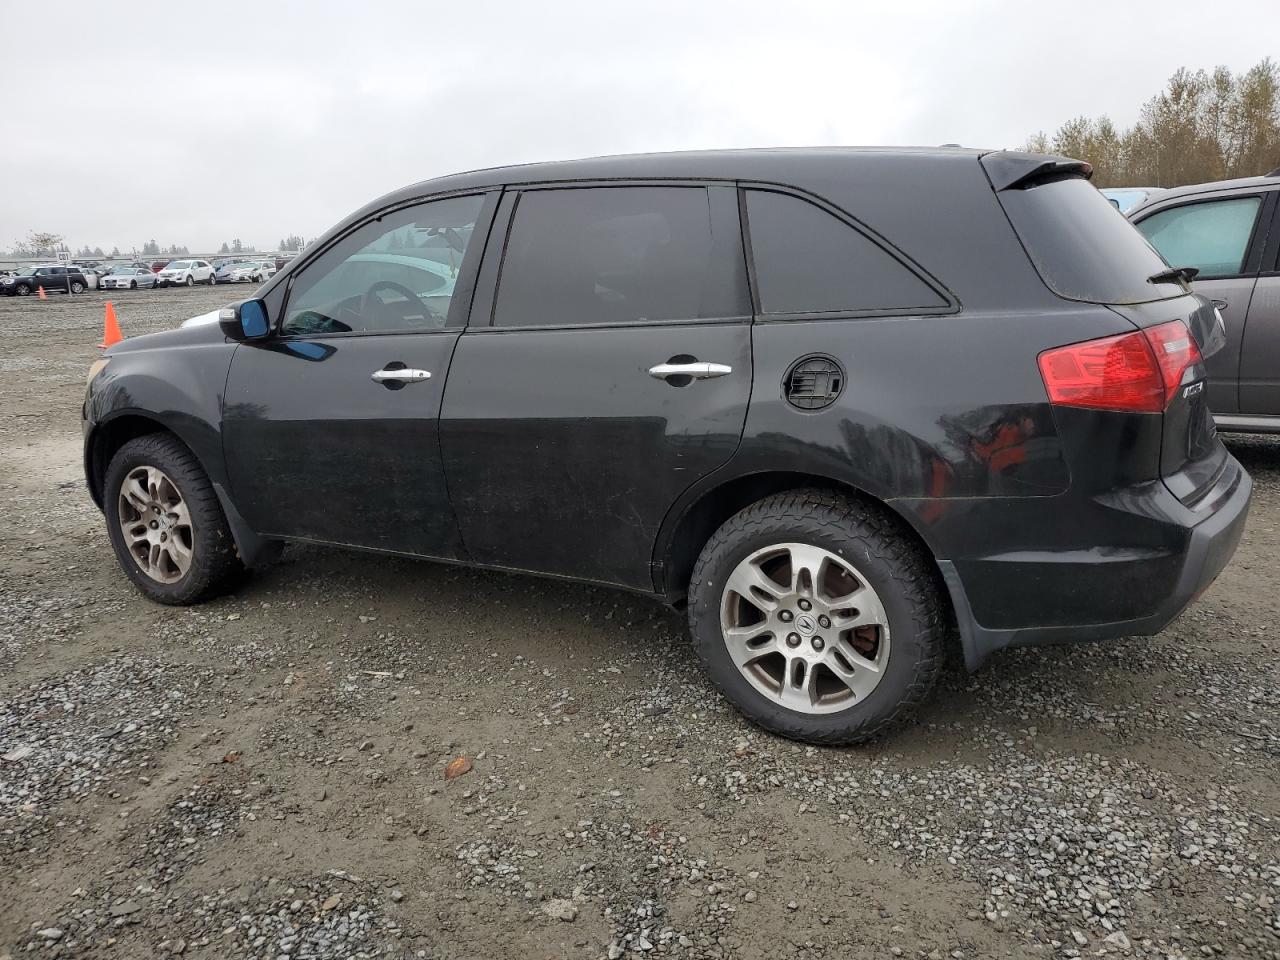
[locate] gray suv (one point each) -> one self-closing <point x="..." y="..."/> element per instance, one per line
<point x="1230" y="232"/>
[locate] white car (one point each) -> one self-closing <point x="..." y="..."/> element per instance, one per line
<point x="255" y="271"/>
<point x="91" y="277"/>
<point x="128" y="278"/>
<point x="185" y="273"/>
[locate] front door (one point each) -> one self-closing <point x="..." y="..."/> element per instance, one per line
<point x="614" y="373"/>
<point x="330" y="427"/>
<point x="1260" y="353"/>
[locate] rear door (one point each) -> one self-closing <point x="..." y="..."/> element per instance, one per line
<point x="1221" y="235"/>
<point x="330" y="427"/>
<point x="613" y="373"/>
<point x="1260" y="351"/>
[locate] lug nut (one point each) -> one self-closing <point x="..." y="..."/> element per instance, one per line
<point x="805" y="604"/>
<point x="824" y="621"/>
<point x="793" y="639"/>
<point x="154" y="525"/>
<point x="785" y="616"/>
<point x="818" y="643"/>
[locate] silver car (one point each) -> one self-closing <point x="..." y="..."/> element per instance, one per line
<point x="127" y="278"/>
<point x="1229" y="234"/>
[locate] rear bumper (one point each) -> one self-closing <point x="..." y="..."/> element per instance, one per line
<point x="1084" y="590"/>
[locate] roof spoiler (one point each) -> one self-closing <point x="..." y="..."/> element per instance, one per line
<point x="1008" y="170"/>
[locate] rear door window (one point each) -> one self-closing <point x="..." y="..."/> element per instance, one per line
<point x="615" y="255"/>
<point x="1212" y="235"/>
<point x="807" y="260"/>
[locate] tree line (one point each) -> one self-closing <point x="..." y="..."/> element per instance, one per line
<point x="39" y="243"/>
<point x="1203" y="126"/>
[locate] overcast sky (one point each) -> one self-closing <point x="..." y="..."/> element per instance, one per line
<point x="195" y="123"/>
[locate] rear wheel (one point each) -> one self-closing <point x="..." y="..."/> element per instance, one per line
<point x="77" y="287"/>
<point x="165" y="522"/>
<point x="817" y="617"/>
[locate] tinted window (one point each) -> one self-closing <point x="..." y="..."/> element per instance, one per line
<point x="809" y="261"/>
<point x="617" y="255"/>
<point x="1212" y="236"/>
<point x="1082" y="246"/>
<point x="393" y="275"/>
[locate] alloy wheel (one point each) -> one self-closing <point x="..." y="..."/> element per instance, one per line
<point x="156" y="524"/>
<point x="805" y="628"/>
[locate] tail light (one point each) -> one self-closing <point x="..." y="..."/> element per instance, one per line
<point x="1135" y="372"/>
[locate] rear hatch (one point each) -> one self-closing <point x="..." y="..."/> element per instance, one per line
<point x="1086" y="251"/>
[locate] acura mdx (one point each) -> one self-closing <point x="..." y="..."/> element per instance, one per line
<point x="846" y="406"/>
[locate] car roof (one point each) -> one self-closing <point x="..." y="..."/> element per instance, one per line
<point x="1270" y="180"/>
<point x="766" y="163"/>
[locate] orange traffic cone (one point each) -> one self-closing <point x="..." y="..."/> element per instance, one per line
<point x="40" y="293"/>
<point x="110" y="329"/>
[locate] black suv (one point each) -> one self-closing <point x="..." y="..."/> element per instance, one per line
<point x="51" y="279"/>
<point x="845" y="404"/>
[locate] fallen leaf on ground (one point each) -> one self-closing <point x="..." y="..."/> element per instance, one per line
<point x="457" y="767"/>
<point x="332" y="902"/>
<point x="231" y="757"/>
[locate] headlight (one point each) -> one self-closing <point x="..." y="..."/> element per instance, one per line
<point x="96" y="368"/>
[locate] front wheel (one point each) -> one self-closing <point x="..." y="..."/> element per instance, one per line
<point x="191" y="281"/>
<point x="166" y="525"/>
<point x="133" y="284"/>
<point x="818" y="617"/>
<point x="22" y="290"/>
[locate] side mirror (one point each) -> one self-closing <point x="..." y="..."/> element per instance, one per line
<point x="246" y="320"/>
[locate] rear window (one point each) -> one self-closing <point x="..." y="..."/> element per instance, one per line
<point x="1082" y="246"/>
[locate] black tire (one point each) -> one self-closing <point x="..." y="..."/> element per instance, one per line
<point x="893" y="564"/>
<point x="215" y="565"/>
<point x="133" y="284"/>
<point x="77" y="287"/>
<point x="22" y="290"/>
<point x="191" y="281"/>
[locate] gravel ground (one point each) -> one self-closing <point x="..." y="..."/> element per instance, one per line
<point x="265" y="776"/>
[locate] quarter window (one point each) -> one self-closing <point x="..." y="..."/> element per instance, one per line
<point x="1212" y="236"/>
<point x="394" y="275"/>
<point x="810" y="261"/>
<point x="609" y="255"/>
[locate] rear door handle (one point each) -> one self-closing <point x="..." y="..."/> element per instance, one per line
<point x="403" y="375"/>
<point x="695" y="371"/>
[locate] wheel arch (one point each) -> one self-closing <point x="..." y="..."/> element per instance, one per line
<point x="691" y="526"/>
<point x="111" y="434"/>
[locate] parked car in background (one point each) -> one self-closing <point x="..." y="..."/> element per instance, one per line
<point x="186" y="273"/>
<point x="1125" y="199"/>
<point x="158" y="265"/>
<point x="129" y="278"/>
<point x="673" y="374"/>
<point x="1228" y="233"/>
<point x="254" y="271"/>
<point x="54" y="278"/>
<point x="222" y="270"/>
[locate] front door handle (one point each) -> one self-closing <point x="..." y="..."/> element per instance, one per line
<point x="402" y="375"/>
<point x="695" y="371"/>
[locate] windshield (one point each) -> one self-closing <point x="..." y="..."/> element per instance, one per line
<point x="179" y="265"/>
<point x="122" y="271"/>
<point x="1083" y="247"/>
